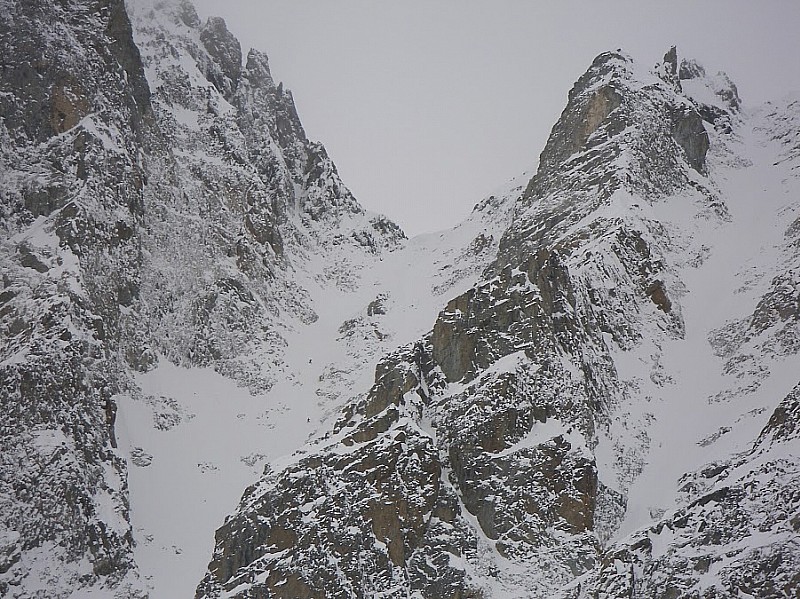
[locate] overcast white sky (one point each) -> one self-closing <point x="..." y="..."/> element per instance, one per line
<point x="428" y="106"/>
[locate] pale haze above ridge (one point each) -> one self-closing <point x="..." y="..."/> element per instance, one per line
<point x="427" y="107"/>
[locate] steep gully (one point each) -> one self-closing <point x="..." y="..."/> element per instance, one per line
<point x="688" y="412"/>
<point x="193" y="473"/>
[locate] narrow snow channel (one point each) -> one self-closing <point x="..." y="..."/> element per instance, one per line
<point x="726" y="287"/>
<point x="197" y="440"/>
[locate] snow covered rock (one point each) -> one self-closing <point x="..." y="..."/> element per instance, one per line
<point x="242" y="196"/>
<point x="589" y="387"/>
<point x="545" y="394"/>
<point x="156" y="197"/>
<point x="71" y="197"/>
<point x="738" y="533"/>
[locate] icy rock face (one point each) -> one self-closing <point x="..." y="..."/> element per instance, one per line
<point x="215" y="248"/>
<point x="242" y="196"/>
<point x="71" y="195"/>
<point x="737" y="530"/>
<point x="368" y="511"/>
<point x="156" y="195"/>
<point x="623" y="129"/>
<point x="578" y="268"/>
<point x="159" y="198"/>
<point x="517" y="386"/>
<point x="225" y="66"/>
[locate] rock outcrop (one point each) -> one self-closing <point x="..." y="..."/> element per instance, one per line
<point x="72" y="200"/>
<point x="236" y="156"/>
<point x="737" y="534"/>
<point x="578" y="423"/>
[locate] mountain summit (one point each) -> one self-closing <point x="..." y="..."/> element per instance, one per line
<point x="588" y="388"/>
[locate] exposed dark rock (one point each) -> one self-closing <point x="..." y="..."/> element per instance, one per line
<point x="607" y="116"/>
<point x="66" y="83"/>
<point x="668" y="69"/>
<point x="68" y="105"/>
<point x="784" y="424"/>
<point x="226" y="53"/>
<point x="172" y="220"/>
<point x="29" y="260"/>
<point x="377" y="307"/>
<point x="514" y="386"/>
<point x="691" y="135"/>
<point x="588" y="108"/>
<point x="658" y="294"/>
<point x="376" y="533"/>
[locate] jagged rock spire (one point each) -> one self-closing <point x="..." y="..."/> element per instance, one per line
<point x="668" y="69"/>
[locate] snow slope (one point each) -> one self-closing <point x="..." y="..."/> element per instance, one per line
<point x="595" y="381"/>
<point x="705" y="412"/>
<point x="194" y="439"/>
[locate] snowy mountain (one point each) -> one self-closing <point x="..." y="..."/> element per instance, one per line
<point x="158" y="203"/>
<point x="615" y="373"/>
<point x="589" y="388"/>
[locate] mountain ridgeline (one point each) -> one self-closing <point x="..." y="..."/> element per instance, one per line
<point x="603" y="401"/>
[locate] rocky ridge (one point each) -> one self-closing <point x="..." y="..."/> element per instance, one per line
<point x="246" y="188"/>
<point x="497" y="455"/>
<point x="72" y="198"/>
<point x="162" y="205"/>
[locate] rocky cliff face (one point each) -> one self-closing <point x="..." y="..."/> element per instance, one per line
<point x="74" y="122"/>
<point x="544" y="417"/>
<point x="604" y="406"/>
<point x="737" y="533"/>
<point x="156" y="196"/>
<point x="242" y="195"/>
<point x="735" y="528"/>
